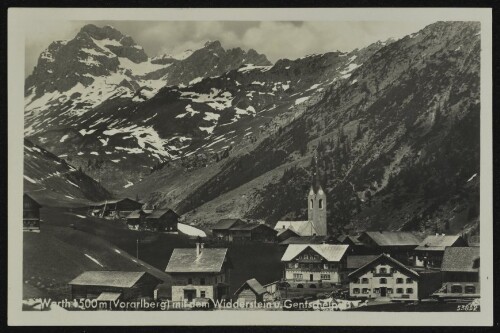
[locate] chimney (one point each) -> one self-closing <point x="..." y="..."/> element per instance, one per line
<point x="199" y="246"/>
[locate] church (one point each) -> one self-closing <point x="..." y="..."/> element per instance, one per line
<point x="316" y="215"/>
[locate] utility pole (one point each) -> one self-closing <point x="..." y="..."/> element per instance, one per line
<point x="137" y="248"/>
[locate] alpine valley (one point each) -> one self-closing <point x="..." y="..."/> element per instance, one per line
<point x="215" y="133"/>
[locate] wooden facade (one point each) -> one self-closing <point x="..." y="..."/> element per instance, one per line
<point x="165" y="220"/>
<point x="31" y="214"/>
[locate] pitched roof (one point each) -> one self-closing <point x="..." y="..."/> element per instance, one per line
<point x="107" y="278"/>
<point x="305" y="240"/>
<point x="393" y="238"/>
<point x="349" y="239"/>
<point x="225" y="224"/>
<point x="250" y="226"/>
<point x="331" y="252"/>
<point x="460" y="259"/>
<point x="437" y="242"/>
<point x="302" y="228"/>
<point x="28" y="197"/>
<point x="134" y="215"/>
<point x="282" y="231"/>
<point x="386" y="258"/>
<point x="355" y="262"/>
<point x="187" y="260"/>
<point x="254" y="285"/>
<point x="156" y="214"/>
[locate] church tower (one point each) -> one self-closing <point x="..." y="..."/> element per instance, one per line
<point x="316" y="203"/>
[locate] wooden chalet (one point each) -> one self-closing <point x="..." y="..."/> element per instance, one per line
<point x="221" y="230"/>
<point x="460" y="274"/>
<point x="258" y="232"/>
<point x="116" y="209"/>
<point x="114" y="285"/>
<point x="162" y="220"/>
<point x="429" y="253"/>
<point x="398" y="244"/>
<point x="31" y="214"/>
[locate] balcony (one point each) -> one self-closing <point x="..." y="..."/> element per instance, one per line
<point x="387" y="274"/>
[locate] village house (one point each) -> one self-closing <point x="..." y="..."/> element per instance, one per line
<point x="384" y="277"/>
<point x="309" y="240"/>
<point x="115" y="209"/>
<point x="356" y="247"/>
<point x="199" y="273"/>
<point x="460" y="273"/>
<point x="137" y="218"/>
<point x="259" y="232"/>
<point x="162" y="220"/>
<point x="31" y="214"/>
<point x="314" y="265"/>
<point x="429" y="253"/>
<point x="284" y="234"/>
<point x="114" y="285"/>
<point x="221" y="229"/>
<point x="398" y="244"/>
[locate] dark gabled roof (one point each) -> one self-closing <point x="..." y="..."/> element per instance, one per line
<point x="254" y="285"/>
<point x="306" y="240"/>
<point x="28" y="197"/>
<point x="381" y="258"/>
<point x="250" y="226"/>
<point x="460" y="259"/>
<point x="108" y="278"/>
<point x="287" y="230"/>
<point x="349" y="239"/>
<point x="225" y="224"/>
<point x="437" y="242"/>
<point x="355" y="262"/>
<point x="393" y="238"/>
<point x="158" y="213"/>
<point x="188" y="261"/>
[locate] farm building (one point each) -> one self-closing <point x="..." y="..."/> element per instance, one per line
<point x="31" y="214"/>
<point x="221" y="229"/>
<point x="250" y="292"/>
<point x="397" y="244"/>
<point x="284" y="234"/>
<point x="114" y="285"/>
<point x="162" y="220"/>
<point x="429" y="253"/>
<point x="301" y="228"/>
<point x="137" y="218"/>
<point x="116" y="209"/>
<point x="314" y="265"/>
<point x="355" y="245"/>
<point x="199" y="273"/>
<point x="460" y="273"/>
<point x="252" y="232"/>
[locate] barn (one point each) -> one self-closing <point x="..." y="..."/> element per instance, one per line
<point x="114" y="285"/>
<point x="251" y="292"/>
<point x="162" y="220"/>
<point x="31" y="214"/>
<point x="116" y="209"/>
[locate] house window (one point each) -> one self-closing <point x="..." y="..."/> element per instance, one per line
<point x="202" y="281"/>
<point x="190" y="281"/>
<point x="399" y="291"/>
<point x="383" y="270"/>
<point x="320" y="203"/>
<point x="355" y="291"/>
<point x="364" y="280"/>
<point x="296" y="265"/>
<point x="306" y="256"/>
<point x="389" y="290"/>
<point x="383" y="281"/>
<point x="409" y="280"/>
<point x="399" y="280"/>
<point x="470" y="289"/>
<point x="297" y="276"/>
<point x="456" y="289"/>
<point x="366" y="291"/>
<point x="325" y="276"/>
<point x="325" y="266"/>
<point x="202" y="294"/>
<point x="409" y="290"/>
<point x="376" y="290"/>
<point x="358" y="281"/>
<point x="312" y="203"/>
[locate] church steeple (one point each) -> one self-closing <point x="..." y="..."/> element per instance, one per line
<point x="317" y="203"/>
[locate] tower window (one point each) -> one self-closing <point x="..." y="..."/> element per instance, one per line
<point x="312" y="203"/>
<point x="320" y="203"/>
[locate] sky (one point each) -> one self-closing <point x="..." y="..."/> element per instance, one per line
<point x="275" y="39"/>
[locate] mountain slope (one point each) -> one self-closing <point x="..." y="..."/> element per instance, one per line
<point x="53" y="182"/>
<point x="397" y="143"/>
